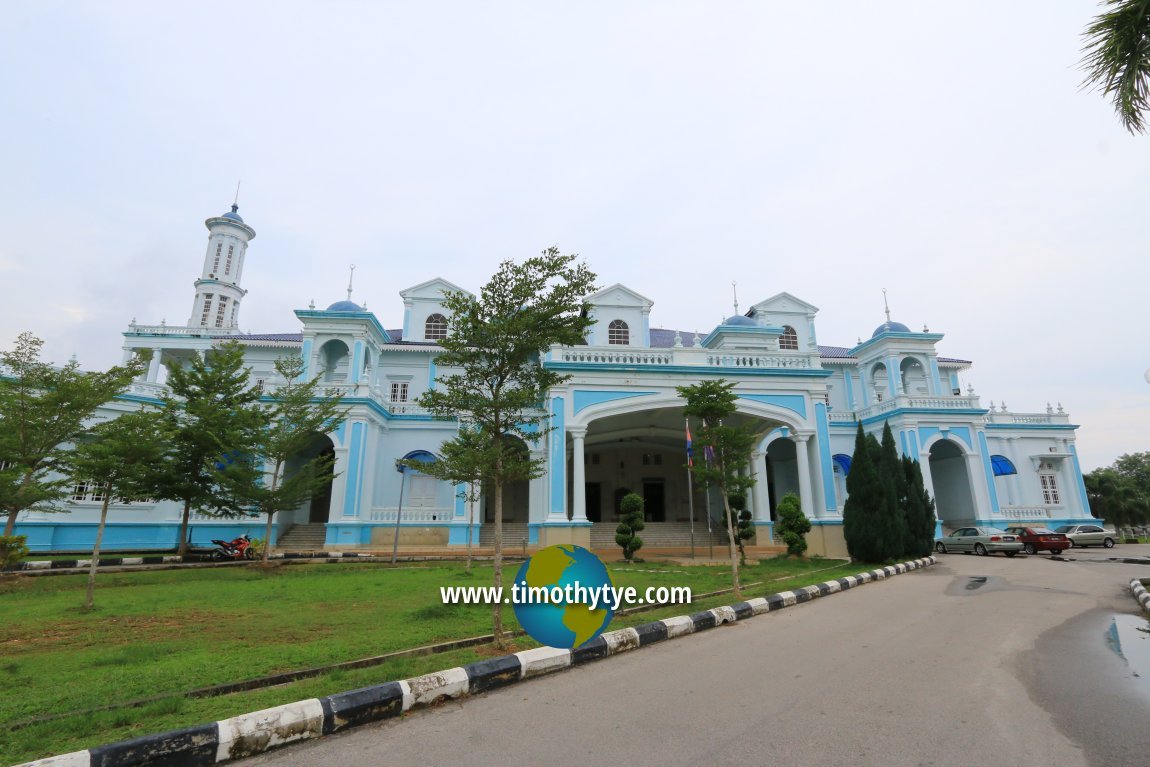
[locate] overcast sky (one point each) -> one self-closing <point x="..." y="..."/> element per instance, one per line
<point x="943" y="151"/>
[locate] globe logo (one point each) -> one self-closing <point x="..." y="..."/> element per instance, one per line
<point x="569" y="572"/>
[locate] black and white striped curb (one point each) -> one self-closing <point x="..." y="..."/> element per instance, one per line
<point x="71" y="564"/>
<point x="333" y="557"/>
<point x="250" y="734"/>
<point x="1140" y="593"/>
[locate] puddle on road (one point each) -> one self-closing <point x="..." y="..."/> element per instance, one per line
<point x="1129" y="636"/>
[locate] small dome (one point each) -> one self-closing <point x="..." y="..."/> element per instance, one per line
<point x="345" y="306"/>
<point x="739" y="320"/>
<point x="233" y="214"/>
<point x="890" y="327"/>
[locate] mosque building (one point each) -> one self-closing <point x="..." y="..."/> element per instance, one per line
<point x="618" y="425"/>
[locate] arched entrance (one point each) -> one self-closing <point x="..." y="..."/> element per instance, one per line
<point x="318" y="509"/>
<point x="953" y="499"/>
<point x="782" y="471"/>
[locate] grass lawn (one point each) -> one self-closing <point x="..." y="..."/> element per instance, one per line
<point x="165" y="633"/>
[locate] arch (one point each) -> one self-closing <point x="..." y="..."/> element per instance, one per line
<point x="639" y="403"/>
<point x="782" y="471"/>
<point x="318" y="454"/>
<point x="335" y="358"/>
<point x="423" y="456"/>
<point x="435" y="327"/>
<point x="789" y="340"/>
<point x="618" y="333"/>
<point x="843" y="462"/>
<point x="951" y="480"/>
<point x="913" y="374"/>
<point x="878" y="381"/>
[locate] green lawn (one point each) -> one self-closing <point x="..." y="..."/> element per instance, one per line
<point x="165" y="633"/>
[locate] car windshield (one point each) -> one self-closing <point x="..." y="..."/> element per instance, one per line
<point x="1063" y="529"/>
<point x="1041" y="531"/>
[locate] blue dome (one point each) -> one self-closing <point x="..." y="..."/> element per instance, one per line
<point x="889" y="327"/>
<point x="739" y="320"/>
<point x="233" y="215"/>
<point x="345" y="306"/>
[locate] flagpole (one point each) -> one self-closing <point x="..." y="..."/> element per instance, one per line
<point x="690" y="487"/>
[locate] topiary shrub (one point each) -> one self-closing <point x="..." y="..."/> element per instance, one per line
<point x="792" y="525"/>
<point x="744" y="528"/>
<point x="626" y="534"/>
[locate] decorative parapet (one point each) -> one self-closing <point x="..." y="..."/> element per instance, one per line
<point x="687" y="357"/>
<point x="904" y="402"/>
<point x="1023" y="512"/>
<point x="1053" y="419"/>
<point x="174" y="330"/>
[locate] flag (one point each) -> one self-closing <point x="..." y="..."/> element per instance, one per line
<point x="690" y="454"/>
<point x="709" y="454"/>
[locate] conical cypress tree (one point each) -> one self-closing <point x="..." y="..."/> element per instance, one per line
<point x="919" y="511"/>
<point x="864" y="495"/>
<point x="896" y="533"/>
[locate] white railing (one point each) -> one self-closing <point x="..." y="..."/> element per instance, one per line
<point x="1028" y="418"/>
<point x="841" y="415"/>
<point x="405" y="408"/>
<point x="175" y="330"/>
<point x="1024" y="512"/>
<point x="685" y="356"/>
<point x="411" y="515"/>
<point x="902" y="401"/>
<point x="147" y="389"/>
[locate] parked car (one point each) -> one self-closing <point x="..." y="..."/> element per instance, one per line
<point x="980" y="540"/>
<point x="1088" y="535"/>
<point x="1036" y="539"/>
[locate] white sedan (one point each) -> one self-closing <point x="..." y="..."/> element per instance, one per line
<point x="980" y="540"/>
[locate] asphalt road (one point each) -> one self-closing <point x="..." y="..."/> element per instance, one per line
<point x="928" y="668"/>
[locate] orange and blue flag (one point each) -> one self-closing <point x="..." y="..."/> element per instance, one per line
<point x="690" y="454"/>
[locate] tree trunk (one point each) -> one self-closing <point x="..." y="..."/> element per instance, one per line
<point x="267" y="539"/>
<point x="88" y="603"/>
<point x="497" y="560"/>
<point x="182" y="546"/>
<point x="10" y="525"/>
<point x="470" y="520"/>
<point x="731" y="540"/>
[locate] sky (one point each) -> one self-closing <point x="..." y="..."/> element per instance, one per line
<point x="943" y="151"/>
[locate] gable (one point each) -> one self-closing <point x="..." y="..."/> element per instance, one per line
<point x="432" y="290"/>
<point x="784" y="303"/>
<point x="619" y="295"/>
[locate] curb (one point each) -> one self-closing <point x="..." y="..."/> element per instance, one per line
<point x="1141" y="594"/>
<point x="254" y="733"/>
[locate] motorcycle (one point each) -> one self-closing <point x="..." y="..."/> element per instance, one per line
<point x="239" y="548"/>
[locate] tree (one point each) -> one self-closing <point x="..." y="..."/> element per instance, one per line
<point x="213" y="417"/>
<point x="894" y="506"/>
<point x="630" y="523"/>
<point x="727" y="449"/>
<point x="42" y="410"/>
<point x="863" y="509"/>
<point x="1116" y="58"/>
<point x="293" y="419"/>
<point x="793" y="525"/>
<point x="918" y="510"/>
<point x="497" y="381"/>
<point x="1115" y="497"/>
<point x="119" y="458"/>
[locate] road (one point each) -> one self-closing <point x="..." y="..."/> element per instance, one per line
<point x="929" y="668"/>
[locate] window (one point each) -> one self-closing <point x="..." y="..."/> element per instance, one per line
<point x="435" y="327"/>
<point x="260" y="385"/>
<point x="221" y="310"/>
<point x="618" y="333"/>
<point x="789" y="341"/>
<point x="1049" y="489"/>
<point x="399" y="391"/>
<point x="207" y="308"/>
<point x="1002" y="465"/>
<point x="86" y="490"/>
<point x="216" y="261"/>
<point x="228" y="267"/>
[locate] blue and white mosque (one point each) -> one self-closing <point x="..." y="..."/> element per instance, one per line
<point x="619" y="424"/>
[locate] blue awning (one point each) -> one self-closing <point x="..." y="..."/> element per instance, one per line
<point x="421" y="456"/>
<point x="843" y="462"/>
<point x="1002" y="465"/>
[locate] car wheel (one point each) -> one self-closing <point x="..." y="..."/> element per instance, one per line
<point x="980" y="550"/>
<point x="1056" y="552"/>
<point x="1029" y="548"/>
<point x="1010" y="553"/>
<point x="940" y="547"/>
<point x="1108" y="543"/>
<point x="1069" y="543"/>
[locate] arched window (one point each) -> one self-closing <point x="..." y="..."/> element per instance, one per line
<point x="435" y="327"/>
<point x="618" y="333"/>
<point x="789" y="340"/>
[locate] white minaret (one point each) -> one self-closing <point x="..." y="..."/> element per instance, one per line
<point x="218" y="291"/>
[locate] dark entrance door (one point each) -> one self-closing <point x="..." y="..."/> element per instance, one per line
<point x="594" y="501"/>
<point x="653" y="501"/>
<point x="321" y="501"/>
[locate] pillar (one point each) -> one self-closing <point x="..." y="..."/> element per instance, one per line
<point x="579" y="482"/>
<point x="761" y="508"/>
<point x="154" y="366"/>
<point x="806" y="489"/>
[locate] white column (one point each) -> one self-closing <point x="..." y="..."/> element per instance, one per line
<point x="927" y="479"/>
<point x="579" y="484"/>
<point x="806" y="489"/>
<point x="762" y="506"/>
<point x="536" y="492"/>
<point x="154" y="365"/>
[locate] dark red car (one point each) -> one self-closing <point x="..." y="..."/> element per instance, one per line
<point x="1036" y="539"/>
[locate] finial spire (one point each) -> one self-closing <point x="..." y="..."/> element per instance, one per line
<point x="236" y="201"/>
<point x="350" y="279"/>
<point x="886" y="306"/>
<point x="735" y="294"/>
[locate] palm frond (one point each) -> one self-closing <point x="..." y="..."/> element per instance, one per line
<point x="1116" y="59"/>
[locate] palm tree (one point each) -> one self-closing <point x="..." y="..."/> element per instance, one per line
<point x="1116" y="58"/>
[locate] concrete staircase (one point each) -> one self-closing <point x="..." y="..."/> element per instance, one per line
<point x="308" y="537"/>
<point x="514" y="533"/>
